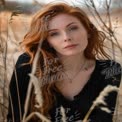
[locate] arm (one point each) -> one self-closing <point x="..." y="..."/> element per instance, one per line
<point x="18" y="88"/>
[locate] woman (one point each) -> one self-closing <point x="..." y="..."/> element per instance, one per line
<point x="70" y="67"/>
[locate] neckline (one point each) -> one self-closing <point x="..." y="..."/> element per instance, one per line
<point x="63" y="98"/>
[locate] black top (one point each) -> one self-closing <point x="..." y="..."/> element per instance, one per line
<point x="106" y="72"/>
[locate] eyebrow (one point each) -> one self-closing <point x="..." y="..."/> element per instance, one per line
<point x="66" y="26"/>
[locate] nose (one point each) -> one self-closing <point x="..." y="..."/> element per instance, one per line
<point x="66" y="36"/>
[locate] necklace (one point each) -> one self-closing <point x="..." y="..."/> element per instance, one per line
<point x="76" y="74"/>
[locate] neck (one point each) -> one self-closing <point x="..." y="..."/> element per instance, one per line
<point x="74" y="62"/>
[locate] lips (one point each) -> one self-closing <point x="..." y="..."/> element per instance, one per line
<point x="70" y="46"/>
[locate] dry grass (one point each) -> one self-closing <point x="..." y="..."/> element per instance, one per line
<point x="10" y="36"/>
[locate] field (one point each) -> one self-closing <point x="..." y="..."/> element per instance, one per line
<point x="12" y="33"/>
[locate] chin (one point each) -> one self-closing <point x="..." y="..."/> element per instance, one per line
<point x="71" y="53"/>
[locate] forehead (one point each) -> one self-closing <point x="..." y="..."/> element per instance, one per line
<point x="62" y="20"/>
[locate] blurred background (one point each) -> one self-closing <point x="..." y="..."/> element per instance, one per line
<point x="15" y="18"/>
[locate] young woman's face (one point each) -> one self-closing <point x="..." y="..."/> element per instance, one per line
<point x="67" y="35"/>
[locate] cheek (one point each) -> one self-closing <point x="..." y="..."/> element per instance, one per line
<point x="83" y="40"/>
<point x="84" y="43"/>
<point x="82" y="37"/>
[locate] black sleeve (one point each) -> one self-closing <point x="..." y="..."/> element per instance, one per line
<point x="114" y="78"/>
<point x="18" y="88"/>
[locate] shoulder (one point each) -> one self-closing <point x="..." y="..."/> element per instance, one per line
<point x="23" y="60"/>
<point x="108" y="63"/>
<point x="22" y="64"/>
<point x="111" y="70"/>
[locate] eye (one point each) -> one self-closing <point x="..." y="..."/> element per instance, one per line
<point x="53" y="34"/>
<point x="73" y="28"/>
